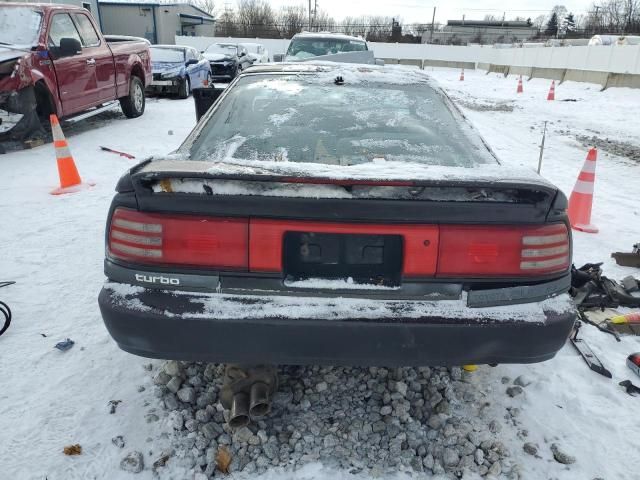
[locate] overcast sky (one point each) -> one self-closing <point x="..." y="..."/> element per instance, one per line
<point x="412" y="11"/>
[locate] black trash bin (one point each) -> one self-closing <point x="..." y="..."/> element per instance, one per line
<point x="204" y="98"/>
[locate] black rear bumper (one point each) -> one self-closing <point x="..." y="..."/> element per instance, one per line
<point x="162" y="324"/>
<point x="221" y="73"/>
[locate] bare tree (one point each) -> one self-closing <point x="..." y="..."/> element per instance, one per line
<point x="613" y="16"/>
<point x="560" y="11"/>
<point x="291" y="20"/>
<point x="206" y="5"/>
<point x="539" y="21"/>
<point x="322" y="21"/>
<point x="226" y="24"/>
<point x="632" y="18"/>
<point x="255" y="18"/>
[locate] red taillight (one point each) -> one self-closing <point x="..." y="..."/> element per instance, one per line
<point x="256" y="244"/>
<point x="500" y="251"/>
<point x="179" y="240"/>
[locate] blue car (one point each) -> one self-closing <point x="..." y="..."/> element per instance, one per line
<point x="177" y="69"/>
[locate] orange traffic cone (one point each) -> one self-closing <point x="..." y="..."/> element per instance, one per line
<point x="552" y="91"/>
<point x="462" y="75"/>
<point x="582" y="196"/>
<point x="70" y="180"/>
<point x="519" y="90"/>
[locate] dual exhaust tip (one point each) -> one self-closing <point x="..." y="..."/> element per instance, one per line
<point x="245" y="407"/>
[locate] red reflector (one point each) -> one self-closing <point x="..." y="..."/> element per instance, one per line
<point x="179" y="239"/>
<point x="494" y="251"/>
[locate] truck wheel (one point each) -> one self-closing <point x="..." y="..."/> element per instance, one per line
<point x="133" y="104"/>
<point x="185" y="88"/>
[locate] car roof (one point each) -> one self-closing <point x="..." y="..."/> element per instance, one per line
<point x="328" y="35"/>
<point x="43" y="6"/>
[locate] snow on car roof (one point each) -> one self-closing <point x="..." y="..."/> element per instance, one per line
<point x="351" y="73"/>
<point x="339" y="36"/>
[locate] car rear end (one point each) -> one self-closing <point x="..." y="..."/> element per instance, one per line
<point x="349" y="259"/>
<point x="168" y="69"/>
<point x="132" y="55"/>
<point x="223" y="70"/>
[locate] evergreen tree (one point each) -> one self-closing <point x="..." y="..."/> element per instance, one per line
<point x="569" y="23"/>
<point x="552" y="25"/>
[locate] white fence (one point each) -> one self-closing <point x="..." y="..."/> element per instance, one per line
<point x="601" y="58"/>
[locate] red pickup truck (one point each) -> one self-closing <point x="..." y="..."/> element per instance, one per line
<point x="54" y="59"/>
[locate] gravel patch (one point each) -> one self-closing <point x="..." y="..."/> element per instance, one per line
<point x="486" y="105"/>
<point x="613" y="147"/>
<point x="373" y="421"/>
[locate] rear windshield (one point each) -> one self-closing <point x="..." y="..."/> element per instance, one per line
<point x="300" y="48"/>
<point x="172" y="55"/>
<point x="220" y="48"/>
<point x="299" y="118"/>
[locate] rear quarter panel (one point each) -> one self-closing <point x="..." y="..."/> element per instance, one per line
<point x="130" y="57"/>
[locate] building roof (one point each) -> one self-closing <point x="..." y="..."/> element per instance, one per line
<point x="155" y="3"/>
<point x="489" y="23"/>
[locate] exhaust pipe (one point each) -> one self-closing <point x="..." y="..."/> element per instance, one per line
<point x="260" y="403"/>
<point x="239" y="415"/>
<point x="247" y="392"/>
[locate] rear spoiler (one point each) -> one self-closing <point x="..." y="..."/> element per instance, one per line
<point x="534" y="202"/>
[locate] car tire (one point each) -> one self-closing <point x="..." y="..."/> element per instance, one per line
<point x="184" y="89"/>
<point x="133" y="104"/>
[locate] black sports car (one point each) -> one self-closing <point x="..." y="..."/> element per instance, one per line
<point x="337" y="215"/>
<point x="226" y="60"/>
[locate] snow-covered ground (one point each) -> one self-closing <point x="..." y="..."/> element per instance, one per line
<point x="52" y="246"/>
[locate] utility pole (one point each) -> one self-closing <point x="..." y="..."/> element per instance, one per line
<point x="315" y="13"/>
<point x="597" y="7"/>
<point x="433" y="22"/>
<point x="309" y="15"/>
